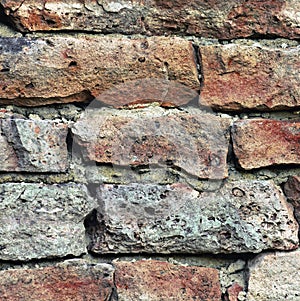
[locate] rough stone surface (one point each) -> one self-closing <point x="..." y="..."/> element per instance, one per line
<point x="292" y="191"/>
<point x="264" y="142"/>
<point x="239" y="77"/>
<point x="79" y="68"/>
<point x="275" y="276"/>
<point x="241" y="217"/>
<point x="40" y="221"/>
<point x="33" y="145"/>
<point x="73" y="280"/>
<point x="156" y="280"/>
<point x="224" y="20"/>
<point x="187" y="139"/>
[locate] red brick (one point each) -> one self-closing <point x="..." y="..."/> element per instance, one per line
<point x="262" y="142"/>
<point x="239" y="77"/>
<point x="155" y="280"/>
<point x="81" y="68"/>
<point x="233" y="292"/>
<point x="70" y="281"/>
<point x="204" y="18"/>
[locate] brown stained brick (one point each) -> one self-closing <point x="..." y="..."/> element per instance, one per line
<point x="215" y="18"/>
<point x="194" y="141"/>
<point x="262" y="142"/>
<point x="33" y="145"/>
<point x="73" y="280"/>
<point x="60" y="69"/>
<point x="241" y="77"/>
<point x="156" y="280"/>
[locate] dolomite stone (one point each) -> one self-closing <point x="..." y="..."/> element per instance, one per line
<point x="224" y="20"/>
<point x="241" y="217"/>
<point x="60" y="69"/>
<point x="72" y="280"/>
<point x="33" y="145"/>
<point x="264" y="142"/>
<point x="241" y="77"/>
<point x="275" y="276"/>
<point x="187" y="139"/>
<point x="292" y="191"/>
<point x="157" y="280"/>
<point x="40" y="221"/>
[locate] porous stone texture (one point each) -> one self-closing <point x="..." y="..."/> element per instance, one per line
<point x="275" y="276"/>
<point x="33" y="145"/>
<point x="79" y="68"/>
<point x="156" y="280"/>
<point x="292" y="191"/>
<point x="244" y="216"/>
<point x="72" y="280"/>
<point x="239" y="77"/>
<point x="205" y="18"/>
<point x="191" y="140"/>
<point x="265" y="142"/>
<point x="40" y="221"/>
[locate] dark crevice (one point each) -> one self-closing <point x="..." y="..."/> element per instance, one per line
<point x="31" y="263"/>
<point x="198" y="60"/>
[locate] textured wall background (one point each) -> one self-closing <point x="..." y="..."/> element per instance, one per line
<point x="150" y="150"/>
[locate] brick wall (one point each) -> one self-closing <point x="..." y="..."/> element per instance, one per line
<point x="150" y="150"/>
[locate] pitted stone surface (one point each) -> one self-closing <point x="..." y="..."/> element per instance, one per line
<point x="150" y="280"/>
<point x="275" y="276"/>
<point x="33" y="145"/>
<point x="219" y="19"/>
<point x="60" y="69"/>
<point x="244" y="216"/>
<point x="239" y="77"/>
<point x="40" y="221"/>
<point x="72" y="280"/>
<point x="264" y="142"/>
<point x="191" y="140"/>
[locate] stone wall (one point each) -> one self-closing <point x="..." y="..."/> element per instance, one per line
<point x="150" y="150"/>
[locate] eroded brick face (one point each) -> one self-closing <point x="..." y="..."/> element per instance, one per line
<point x="265" y="142"/>
<point x="73" y="280"/>
<point x="192" y="140"/>
<point x="155" y="280"/>
<point x="81" y="68"/>
<point x="223" y="20"/>
<point x="33" y="145"/>
<point x="243" y="77"/>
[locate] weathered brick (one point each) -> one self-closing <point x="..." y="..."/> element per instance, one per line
<point x="264" y="142"/>
<point x="241" y="217"/>
<point x="73" y="280"/>
<point x="292" y="191"/>
<point x="239" y="77"/>
<point x="205" y="18"/>
<point x="33" y="145"/>
<point x="157" y="280"/>
<point x="82" y="67"/>
<point x="39" y="221"/>
<point x="275" y="276"/>
<point x="191" y="140"/>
